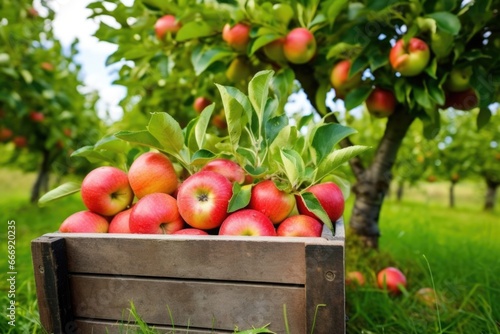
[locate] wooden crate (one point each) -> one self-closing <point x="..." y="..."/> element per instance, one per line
<point x="205" y="284"/>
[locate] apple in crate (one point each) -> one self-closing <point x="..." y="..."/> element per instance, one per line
<point x="152" y="172"/>
<point x="392" y="278"/>
<point x="106" y="191"/>
<point x="329" y="196"/>
<point x="300" y="226"/>
<point x="230" y="169"/>
<point x="155" y="214"/>
<point x="247" y="222"/>
<point x="203" y="199"/>
<point x="271" y="201"/>
<point x="191" y="231"/>
<point x="84" y="222"/>
<point x="120" y="222"/>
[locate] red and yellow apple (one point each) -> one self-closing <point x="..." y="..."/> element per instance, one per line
<point x="120" y="222"/>
<point x="166" y="24"/>
<point x="300" y="226"/>
<point x="329" y="196"/>
<point x="36" y="116"/>
<point x="84" y="222"/>
<point x="106" y="191"/>
<point x="20" y="141"/>
<point x="200" y="103"/>
<point x="152" y="172"/>
<point x="190" y="231"/>
<point x="381" y="103"/>
<point x="203" y="199"/>
<point x="299" y="46"/>
<point x="272" y="202"/>
<point x="155" y="214"/>
<point x="5" y="134"/>
<point x="228" y="168"/>
<point x="46" y="66"/>
<point x="355" y="278"/>
<point x="340" y="80"/>
<point x="392" y="279"/>
<point x="409" y="59"/>
<point x="237" y="36"/>
<point x="247" y="222"/>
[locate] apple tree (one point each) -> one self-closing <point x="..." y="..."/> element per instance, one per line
<point x="43" y="112"/>
<point x="405" y="61"/>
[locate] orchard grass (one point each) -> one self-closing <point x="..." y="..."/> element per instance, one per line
<point x="453" y="250"/>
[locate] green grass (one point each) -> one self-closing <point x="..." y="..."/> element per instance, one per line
<point x="420" y="235"/>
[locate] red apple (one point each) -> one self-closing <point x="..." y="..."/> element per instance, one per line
<point x="46" y="66"/>
<point x="67" y="132"/>
<point x="247" y="222"/>
<point x="300" y="226"/>
<point x="166" y="24"/>
<point x="392" y="278"/>
<point x="340" y="80"/>
<point x="200" y="103"/>
<point x="409" y="59"/>
<point x="237" y="36"/>
<point x="458" y="79"/>
<point x="355" y="278"/>
<point x="37" y="116"/>
<point x="191" y="231"/>
<point x="152" y="172"/>
<point x="228" y="168"/>
<point x="299" y="46"/>
<point x="329" y="196"/>
<point x="219" y="120"/>
<point x="274" y="203"/>
<point x="274" y="50"/>
<point x="84" y="222"/>
<point x="5" y="134"/>
<point x="381" y="103"/>
<point x="120" y="222"/>
<point x="32" y="12"/>
<point x="106" y="191"/>
<point x="203" y="199"/>
<point x="466" y="100"/>
<point x="155" y="214"/>
<point x="20" y="141"/>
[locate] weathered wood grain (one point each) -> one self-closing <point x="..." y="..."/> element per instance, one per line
<point x="113" y="327"/>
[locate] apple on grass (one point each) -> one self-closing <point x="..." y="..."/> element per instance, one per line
<point x="392" y="279"/>
<point x="340" y="80"/>
<point x="299" y="46"/>
<point x="155" y="214"/>
<point x="228" y="168"/>
<point x="355" y="278"/>
<point x="84" y="222"/>
<point x="409" y="59"/>
<point x="247" y="222"/>
<point x="106" y="191"/>
<point x="381" y="103"/>
<point x="166" y="24"/>
<point x="152" y="172"/>
<point x="329" y="196"/>
<point x="237" y="36"/>
<point x="120" y="223"/>
<point x="300" y="226"/>
<point x="427" y="296"/>
<point x="274" y="203"/>
<point x="190" y="231"/>
<point x="203" y="199"/>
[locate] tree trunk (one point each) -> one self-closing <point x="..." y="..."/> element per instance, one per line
<point x="452" y="194"/>
<point x="400" y="191"/>
<point x="42" y="179"/>
<point x="372" y="184"/>
<point x="491" y="194"/>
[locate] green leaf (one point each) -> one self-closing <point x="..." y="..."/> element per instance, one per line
<point x="194" y="29"/>
<point x="144" y="138"/>
<point x="294" y="166"/>
<point x="274" y="126"/>
<point x="235" y="114"/>
<point x="335" y="9"/>
<point x="422" y="97"/>
<point x="112" y="143"/>
<point x="339" y="48"/>
<point x="435" y="92"/>
<point x="240" y="198"/>
<point x="256" y="172"/>
<point x="312" y="203"/>
<point x="167" y="131"/>
<point x="201" y="126"/>
<point x="63" y="190"/>
<point x="262" y="41"/>
<point x="327" y="136"/>
<point x="28" y="78"/>
<point x="202" y="58"/>
<point x="258" y="91"/>
<point x="320" y="97"/>
<point x="336" y="159"/>
<point x="357" y="96"/>
<point x="483" y="118"/>
<point x="202" y="156"/>
<point x="93" y="156"/>
<point x="447" y="22"/>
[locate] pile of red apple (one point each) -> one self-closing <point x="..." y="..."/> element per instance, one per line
<point x="151" y="199"/>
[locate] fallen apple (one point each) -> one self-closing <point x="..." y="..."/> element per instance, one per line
<point x="391" y="279"/>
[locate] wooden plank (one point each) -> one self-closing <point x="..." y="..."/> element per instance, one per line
<point x="113" y="327"/>
<point x="51" y="279"/>
<point x="237" y="260"/>
<point x="199" y="304"/>
<point x="325" y="286"/>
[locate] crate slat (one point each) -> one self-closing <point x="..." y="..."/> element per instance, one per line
<point x="112" y="327"/>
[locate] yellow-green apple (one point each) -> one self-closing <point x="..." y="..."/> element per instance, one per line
<point x="106" y="191"/>
<point x="340" y="79"/>
<point x="20" y="141"/>
<point x="299" y="46"/>
<point x="120" y="222"/>
<point x="84" y="222"/>
<point x="247" y="222"/>
<point x="381" y="102"/>
<point x="237" y="36"/>
<point x="201" y="103"/>
<point x="426" y="296"/>
<point x="5" y="134"/>
<point x="409" y="59"/>
<point x="238" y="70"/>
<point x="329" y="196"/>
<point x="166" y="24"/>
<point x="155" y="214"/>
<point x="203" y="199"/>
<point x="228" y="168"/>
<point x="274" y="50"/>
<point x="465" y="100"/>
<point x="191" y="231"/>
<point x="392" y="279"/>
<point x="458" y="79"/>
<point x="355" y="278"/>
<point x="300" y="226"/>
<point x="152" y="172"/>
<point x="36" y="116"/>
<point x="274" y="203"/>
